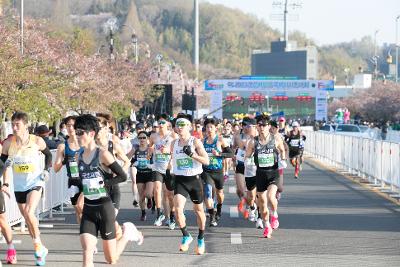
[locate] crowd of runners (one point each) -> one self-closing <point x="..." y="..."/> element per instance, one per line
<point x="175" y="161"/>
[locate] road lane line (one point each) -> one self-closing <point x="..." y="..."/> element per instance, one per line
<point x="236" y="238"/>
<point x="233" y="212"/>
<point x="232" y="190"/>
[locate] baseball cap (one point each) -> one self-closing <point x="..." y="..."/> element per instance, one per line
<point x="282" y="119"/>
<point x="42" y="129"/>
<point x="295" y="124"/>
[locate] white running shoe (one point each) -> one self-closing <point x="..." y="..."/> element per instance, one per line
<point x="159" y="220"/>
<point x="131" y="233"/>
<point x="259" y="224"/>
<point x="252" y="215"/>
<point x="172" y="225"/>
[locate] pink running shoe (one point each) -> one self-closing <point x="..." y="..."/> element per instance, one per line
<point x="267" y="232"/>
<point x="274" y="222"/>
<point x="11" y="256"/>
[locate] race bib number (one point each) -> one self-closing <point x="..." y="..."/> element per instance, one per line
<point x="266" y="160"/>
<point x="142" y="163"/>
<point x="94" y="188"/>
<point x="294" y="142"/>
<point x="24" y="167"/>
<point x="73" y="169"/>
<point x="162" y="158"/>
<point x="184" y="163"/>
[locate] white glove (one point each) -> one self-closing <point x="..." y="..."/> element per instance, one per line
<point x="282" y="164"/>
<point x="72" y="191"/>
<point x="45" y="175"/>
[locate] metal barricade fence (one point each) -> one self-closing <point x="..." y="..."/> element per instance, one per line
<point x="375" y="160"/>
<point x="54" y="194"/>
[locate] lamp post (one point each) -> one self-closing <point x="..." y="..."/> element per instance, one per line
<point x="375" y="57"/>
<point x="135" y="47"/>
<point x="22" y="27"/>
<point x="397" y="48"/>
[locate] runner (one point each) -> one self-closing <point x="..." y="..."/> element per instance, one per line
<point x="161" y="142"/>
<point x="144" y="178"/>
<point x="67" y="154"/>
<point x="11" y="257"/>
<point x="250" y="170"/>
<point x="295" y="140"/>
<point x="217" y="149"/>
<point x="266" y="148"/>
<point x="282" y="130"/>
<point x="240" y="141"/>
<point x="187" y="157"/>
<point x="228" y="138"/>
<point x="97" y="202"/>
<point x="21" y="153"/>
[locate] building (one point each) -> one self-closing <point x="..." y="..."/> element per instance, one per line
<point x="286" y="60"/>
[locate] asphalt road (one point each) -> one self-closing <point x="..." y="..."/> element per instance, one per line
<point x="325" y="220"/>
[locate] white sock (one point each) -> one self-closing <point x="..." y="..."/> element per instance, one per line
<point x="37" y="241"/>
<point x="275" y="213"/>
<point x="267" y="224"/>
<point x="11" y="245"/>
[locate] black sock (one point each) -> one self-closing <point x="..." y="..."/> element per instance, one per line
<point x="201" y="234"/>
<point x="153" y="203"/>
<point x="259" y="213"/>
<point x="158" y="212"/>
<point x="143" y="212"/>
<point x="184" y="231"/>
<point x="252" y="207"/>
<point x="219" y="208"/>
<point x="172" y="215"/>
<point x="211" y="212"/>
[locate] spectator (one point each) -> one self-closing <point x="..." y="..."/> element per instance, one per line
<point x="63" y="134"/>
<point x="44" y="132"/>
<point x="384" y="130"/>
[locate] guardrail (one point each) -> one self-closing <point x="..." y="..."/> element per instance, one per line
<point x="54" y="194"/>
<point x="375" y="160"/>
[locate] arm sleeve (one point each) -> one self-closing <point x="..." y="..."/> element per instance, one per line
<point x="47" y="158"/>
<point x="120" y="175"/>
<point x="227" y="152"/>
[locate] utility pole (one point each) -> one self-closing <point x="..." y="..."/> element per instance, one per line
<point x="111" y="45"/>
<point x="286" y="17"/>
<point x="397" y="48"/>
<point x="375" y="57"/>
<point x="285" y="32"/>
<point x="22" y="28"/>
<point x="196" y="37"/>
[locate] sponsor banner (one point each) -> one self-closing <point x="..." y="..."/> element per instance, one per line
<point x="321" y="105"/>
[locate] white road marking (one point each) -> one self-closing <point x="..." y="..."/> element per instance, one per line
<point x="233" y="212"/>
<point x="3" y="241"/>
<point x="46" y="226"/>
<point x="236" y="238"/>
<point x="232" y="190"/>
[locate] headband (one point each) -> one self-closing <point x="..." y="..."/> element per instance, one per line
<point x="186" y="121"/>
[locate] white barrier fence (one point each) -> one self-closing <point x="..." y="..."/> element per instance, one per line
<point x="54" y="194"/>
<point x="375" y="160"/>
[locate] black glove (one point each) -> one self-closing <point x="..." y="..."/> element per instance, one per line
<point x="188" y="151"/>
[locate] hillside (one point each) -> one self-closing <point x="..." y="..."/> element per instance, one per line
<point x="227" y="36"/>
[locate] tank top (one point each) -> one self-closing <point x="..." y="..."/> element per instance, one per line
<point x="27" y="164"/>
<point x="183" y="164"/>
<point x="294" y="141"/>
<point x="92" y="178"/>
<point x="250" y="168"/>
<point x="144" y="165"/>
<point x="266" y="156"/>
<point x="215" y="162"/>
<point x="228" y="139"/>
<point x="241" y="152"/>
<point x="161" y="160"/>
<point x="72" y="162"/>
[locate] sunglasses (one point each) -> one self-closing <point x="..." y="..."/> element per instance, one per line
<point x="181" y="125"/>
<point x="80" y="132"/>
<point x="162" y="122"/>
<point x="263" y="124"/>
<point x="142" y="138"/>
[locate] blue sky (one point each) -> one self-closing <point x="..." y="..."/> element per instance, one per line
<point x="330" y="21"/>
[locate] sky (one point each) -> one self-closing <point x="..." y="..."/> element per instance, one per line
<point x="330" y="21"/>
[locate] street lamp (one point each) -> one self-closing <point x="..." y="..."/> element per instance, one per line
<point x="22" y="27"/>
<point x="375" y="57"/>
<point x="135" y="47"/>
<point x="397" y="48"/>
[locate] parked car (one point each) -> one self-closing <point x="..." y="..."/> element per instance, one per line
<point x="328" y="128"/>
<point x="354" y="130"/>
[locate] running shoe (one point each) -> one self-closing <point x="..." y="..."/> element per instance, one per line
<point x="131" y="233"/>
<point x="40" y="254"/>
<point x="274" y="222"/>
<point x="246" y="214"/>
<point x="167" y="222"/>
<point x="95" y="251"/>
<point x="201" y="247"/>
<point x="159" y="220"/>
<point x="226" y="177"/>
<point x="267" y="232"/>
<point x="143" y="217"/>
<point x="213" y="221"/>
<point x="172" y="225"/>
<point x="252" y="215"/>
<point x="11" y="257"/>
<point x="296" y="177"/>
<point x="278" y="195"/>
<point x="149" y="204"/>
<point x="259" y="224"/>
<point x="135" y="204"/>
<point x="240" y="205"/>
<point x="186" y="240"/>
<point x="217" y="216"/>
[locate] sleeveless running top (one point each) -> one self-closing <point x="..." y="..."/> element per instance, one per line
<point x="295" y="141"/>
<point x="144" y="165"/>
<point x="161" y="160"/>
<point x="266" y="156"/>
<point x="250" y="168"/>
<point x="215" y="162"/>
<point x="228" y="139"/>
<point x="182" y="163"/>
<point x="72" y="161"/>
<point x="92" y="178"/>
<point x="27" y="164"/>
<point x="241" y="152"/>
